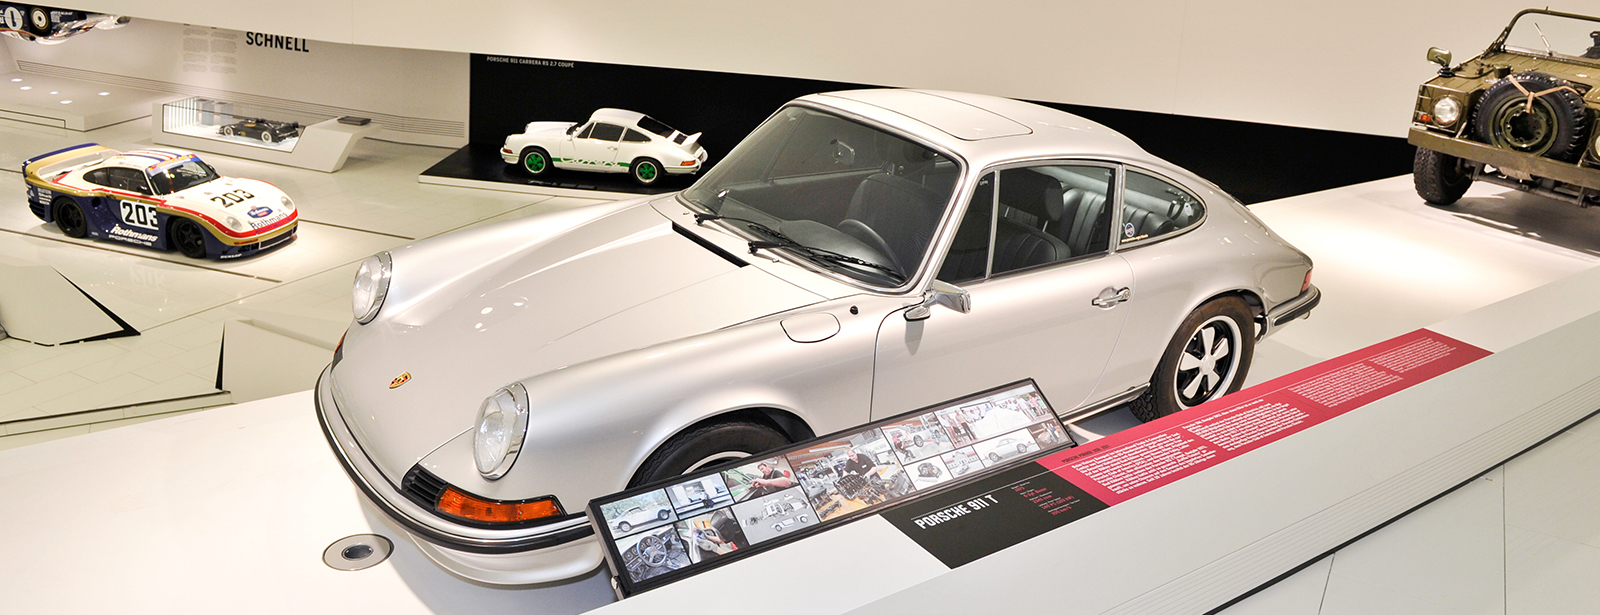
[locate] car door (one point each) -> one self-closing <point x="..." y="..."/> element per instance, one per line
<point x="598" y="150"/>
<point x="1033" y="252"/>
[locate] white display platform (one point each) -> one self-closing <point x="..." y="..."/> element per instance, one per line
<point x="38" y="99"/>
<point x="323" y="146"/>
<point x="523" y="189"/>
<point x="40" y="306"/>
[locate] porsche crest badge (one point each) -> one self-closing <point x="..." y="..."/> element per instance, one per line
<point x="403" y="378"/>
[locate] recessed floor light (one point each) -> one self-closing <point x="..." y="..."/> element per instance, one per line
<point x="54" y="92"/>
<point x="66" y="102"/>
<point x="16" y="80"/>
<point x="105" y="93"/>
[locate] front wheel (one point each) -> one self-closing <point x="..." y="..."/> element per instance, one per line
<point x="227" y="131"/>
<point x="535" y="161"/>
<point x="69" y="217"/>
<point x="187" y="236"/>
<point x="266" y="136"/>
<point x="1441" y="179"/>
<point x="708" y="444"/>
<point x="1207" y="358"/>
<point x="624" y="526"/>
<point x="646" y="171"/>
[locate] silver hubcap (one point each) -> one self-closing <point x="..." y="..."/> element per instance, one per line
<point x="1207" y="365"/>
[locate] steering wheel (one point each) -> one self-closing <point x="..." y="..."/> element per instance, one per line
<point x="859" y="231"/>
<point x="653" y="550"/>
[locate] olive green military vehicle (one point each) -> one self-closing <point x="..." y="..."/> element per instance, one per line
<point x="1522" y="114"/>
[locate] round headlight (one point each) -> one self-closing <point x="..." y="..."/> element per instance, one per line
<point x="284" y="200"/>
<point x="1446" y="111"/>
<point x="372" y="285"/>
<point x="235" y="223"/>
<point x="502" y="425"/>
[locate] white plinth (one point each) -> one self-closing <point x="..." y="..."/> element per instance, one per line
<point x="323" y="146"/>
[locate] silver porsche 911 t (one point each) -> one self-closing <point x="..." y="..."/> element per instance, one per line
<point x="859" y="255"/>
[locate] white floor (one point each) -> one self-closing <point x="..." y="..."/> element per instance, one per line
<point x="233" y="505"/>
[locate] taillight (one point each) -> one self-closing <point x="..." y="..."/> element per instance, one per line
<point x="1306" y="284"/>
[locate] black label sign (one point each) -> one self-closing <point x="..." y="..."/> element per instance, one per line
<point x="273" y="41"/>
<point x="977" y="519"/>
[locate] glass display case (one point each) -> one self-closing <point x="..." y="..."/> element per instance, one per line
<point x="242" y="123"/>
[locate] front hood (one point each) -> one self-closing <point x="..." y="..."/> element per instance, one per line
<point x="547" y="128"/>
<point x="507" y="312"/>
<point x="225" y="196"/>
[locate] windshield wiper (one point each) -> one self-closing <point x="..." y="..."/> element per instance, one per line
<point x="783" y="241"/>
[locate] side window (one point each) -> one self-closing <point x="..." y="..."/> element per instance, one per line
<point x="100" y="177"/>
<point x="587" y="130"/>
<point x="1152" y="207"/>
<point x="968" y="258"/>
<point x="634" y="136"/>
<point x="606" y="132"/>
<point x="1051" y="213"/>
<point x="131" y="180"/>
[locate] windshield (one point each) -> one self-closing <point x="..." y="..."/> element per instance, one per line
<point x="835" y="187"/>
<point x="181" y="177"/>
<point x="1557" y="36"/>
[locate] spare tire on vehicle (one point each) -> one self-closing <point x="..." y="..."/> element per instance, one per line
<point x="1555" y="125"/>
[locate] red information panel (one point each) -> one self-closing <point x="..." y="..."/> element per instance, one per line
<point x="1133" y="462"/>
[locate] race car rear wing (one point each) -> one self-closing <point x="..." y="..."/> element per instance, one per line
<point x="46" y="166"/>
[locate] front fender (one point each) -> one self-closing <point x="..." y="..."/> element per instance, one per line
<point x="593" y="424"/>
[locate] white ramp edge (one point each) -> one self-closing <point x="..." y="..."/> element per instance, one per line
<point x="257" y="363"/>
<point x="38" y="305"/>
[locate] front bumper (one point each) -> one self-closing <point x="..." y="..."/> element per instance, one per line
<point x="539" y="554"/>
<point x="1506" y="160"/>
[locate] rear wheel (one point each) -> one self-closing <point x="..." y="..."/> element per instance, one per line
<point x="706" y="445"/>
<point x="266" y="136"/>
<point x="646" y="171"/>
<point x="69" y="217"/>
<point x="1441" y="179"/>
<point x="227" y="131"/>
<point x="1207" y="358"/>
<point x="187" y="236"/>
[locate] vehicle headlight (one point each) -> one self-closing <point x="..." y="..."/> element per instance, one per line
<point x="1446" y="111"/>
<point x="235" y="223"/>
<point x="502" y="425"/>
<point x="284" y="200"/>
<point x="372" y="285"/>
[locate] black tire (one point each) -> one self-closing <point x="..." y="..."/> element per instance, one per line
<point x="994" y="457"/>
<point x="1556" y="128"/>
<point x="662" y="515"/>
<point x="1174" y="387"/>
<point x="646" y="171"/>
<point x="1022" y="448"/>
<point x="186" y="236"/>
<point x="535" y="161"/>
<point x="227" y="131"/>
<point x="624" y="526"/>
<point x="918" y="441"/>
<point x="1441" y="179"/>
<point x="707" y="444"/>
<point x="69" y="217"/>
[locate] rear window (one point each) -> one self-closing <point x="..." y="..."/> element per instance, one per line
<point x="650" y="124"/>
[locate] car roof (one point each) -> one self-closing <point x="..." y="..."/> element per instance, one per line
<point x="620" y="116"/>
<point x="147" y="159"/>
<point x="984" y="128"/>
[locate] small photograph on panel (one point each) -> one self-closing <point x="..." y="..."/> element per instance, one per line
<point x="711" y="535"/>
<point x="958" y="423"/>
<point x="919" y="437"/>
<point x="652" y="552"/>
<point x="1033" y="404"/>
<point x="850" y="474"/>
<point x="1002" y="415"/>
<point x="1006" y="447"/>
<point x="928" y="472"/>
<point x="778" y="514"/>
<point x="961" y="462"/>
<point x="1051" y="435"/>
<point x="758" y="478"/>
<point x="639" y="512"/>
<point x="702" y="493"/>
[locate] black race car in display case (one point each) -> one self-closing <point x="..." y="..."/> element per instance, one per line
<point x="270" y="131"/>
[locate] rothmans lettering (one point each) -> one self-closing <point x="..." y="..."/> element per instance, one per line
<point x="273" y="41"/>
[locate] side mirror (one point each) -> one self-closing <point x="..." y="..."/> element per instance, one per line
<point x="1439" y="56"/>
<point x="572" y="129"/>
<point x="940" y="293"/>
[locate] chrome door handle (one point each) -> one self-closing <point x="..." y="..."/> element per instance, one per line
<point x="1109" y="298"/>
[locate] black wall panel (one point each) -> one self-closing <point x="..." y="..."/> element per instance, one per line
<point x="1254" y="162"/>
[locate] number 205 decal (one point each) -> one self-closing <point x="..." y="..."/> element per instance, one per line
<point x="139" y="214"/>
<point x="233" y="196"/>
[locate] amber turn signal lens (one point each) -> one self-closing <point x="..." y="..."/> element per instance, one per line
<point x="687" y="163"/>
<point x="1306" y="284"/>
<point x="458" y="504"/>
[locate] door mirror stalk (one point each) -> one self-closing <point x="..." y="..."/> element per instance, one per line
<point x="940" y="293"/>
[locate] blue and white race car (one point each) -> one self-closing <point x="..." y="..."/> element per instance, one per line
<point x="157" y="198"/>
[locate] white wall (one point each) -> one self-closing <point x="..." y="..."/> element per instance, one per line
<point x="1351" y="66"/>
<point x="418" y="96"/>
